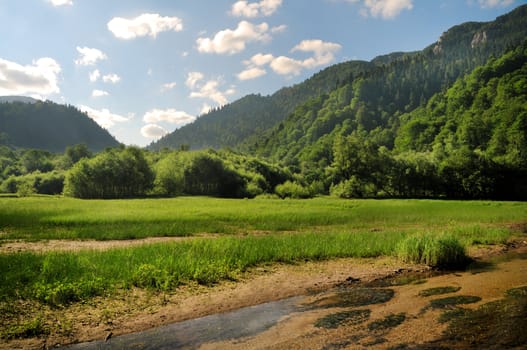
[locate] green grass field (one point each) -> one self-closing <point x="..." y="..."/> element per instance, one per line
<point x="37" y="218"/>
<point x="251" y="232"/>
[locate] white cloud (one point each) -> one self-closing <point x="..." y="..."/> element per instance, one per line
<point x="103" y="117"/>
<point x="61" y="2"/>
<point x="99" y="93"/>
<point x="387" y="9"/>
<point x="207" y="89"/>
<point x="495" y="3"/>
<point x="168" y="86"/>
<point x="39" y="78"/>
<point x="153" y="131"/>
<point x="323" y="54"/>
<point x="230" y="41"/>
<point x="251" y="73"/>
<point x="286" y="66"/>
<point x="147" y="24"/>
<point x="205" y="108"/>
<point x="95" y="75"/>
<point x="261" y="59"/>
<point x="168" y="115"/>
<point x="89" y="57"/>
<point x="210" y="91"/>
<point x="279" y="29"/>
<point x="255" y="9"/>
<point x="193" y="78"/>
<point x="111" y="78"/>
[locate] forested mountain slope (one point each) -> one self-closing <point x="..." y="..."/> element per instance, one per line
<point x="50" y="126"/>
<point x="373" y="102"/>
<point x="233" y="123"/>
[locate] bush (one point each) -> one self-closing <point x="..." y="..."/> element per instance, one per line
<point x="353" y="188"/>
<point x="42" y="183"/>
<point x="443" y="252"/>
<point x="291" y="189"/>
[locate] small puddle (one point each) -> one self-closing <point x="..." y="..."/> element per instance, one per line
<point x="191" y="334"/>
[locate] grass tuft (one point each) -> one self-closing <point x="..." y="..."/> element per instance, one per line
<point x="445" y="252"/>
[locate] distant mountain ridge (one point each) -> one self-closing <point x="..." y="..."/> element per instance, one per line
<point x="23" y="99"/>
<point x="376" y="93"/>
<point x="30" y="123"/>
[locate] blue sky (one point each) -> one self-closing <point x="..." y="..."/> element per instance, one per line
<point x="143" y="68"/>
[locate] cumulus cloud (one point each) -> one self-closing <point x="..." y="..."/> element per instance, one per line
<point x="230" y="41"/>
<point x="386" y="9"/>
<point x="193" y="78"/>
<point x="495" y="3"/>
<point x="153" y="131"/>
<point x="103" y="117"/>
<point x="89" y="56"/>
<point x="147" y="24"/>
<point x="210" y="90"/>
<point x="99" y="93"/>
<point x="111" y="78"/>
<point x="322" y="53"/>
<point x="261" y="59"/>
<point x="61" y="2"/>
<point x="251" y="73"/>
<point x="207" y="89"/>
<point x="95" y="75"/>
<point x="39" y="78"/>
<point x="255" y="9"/>
<point x="286" y="66"/>
<point x="172" y="116"/>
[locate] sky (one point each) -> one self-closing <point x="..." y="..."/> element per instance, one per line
<point x="143" y="68"/>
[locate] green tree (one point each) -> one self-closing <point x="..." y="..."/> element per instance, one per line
<point x="115" y="173"/>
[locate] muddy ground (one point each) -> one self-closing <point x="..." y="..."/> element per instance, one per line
<point x="404" y="321"/>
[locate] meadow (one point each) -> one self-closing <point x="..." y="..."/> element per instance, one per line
<point x="232" y="236"/>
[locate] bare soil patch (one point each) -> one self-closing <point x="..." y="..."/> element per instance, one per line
<point x="16" y="246"/>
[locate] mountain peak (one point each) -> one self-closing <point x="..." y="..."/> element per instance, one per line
<point x="22" y="99"/>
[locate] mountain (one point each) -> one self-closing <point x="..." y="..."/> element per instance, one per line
<point x="233" y="123"/>
<point x="23" y="99"/>
<point x="28" y="123"/>
<point x="373" y="102"/>
<point x="298" y="124"/>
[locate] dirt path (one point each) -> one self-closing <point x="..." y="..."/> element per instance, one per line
<point x="137" y="310"/>
<point x="17" y="246"/>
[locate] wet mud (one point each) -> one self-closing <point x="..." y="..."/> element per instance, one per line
<point x="482" y="307"/>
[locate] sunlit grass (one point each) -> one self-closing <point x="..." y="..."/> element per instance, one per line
<point x="267" y="231"/>
<point x="67" y="218"/>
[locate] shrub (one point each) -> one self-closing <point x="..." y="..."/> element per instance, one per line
<point x="291" y="189"/>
